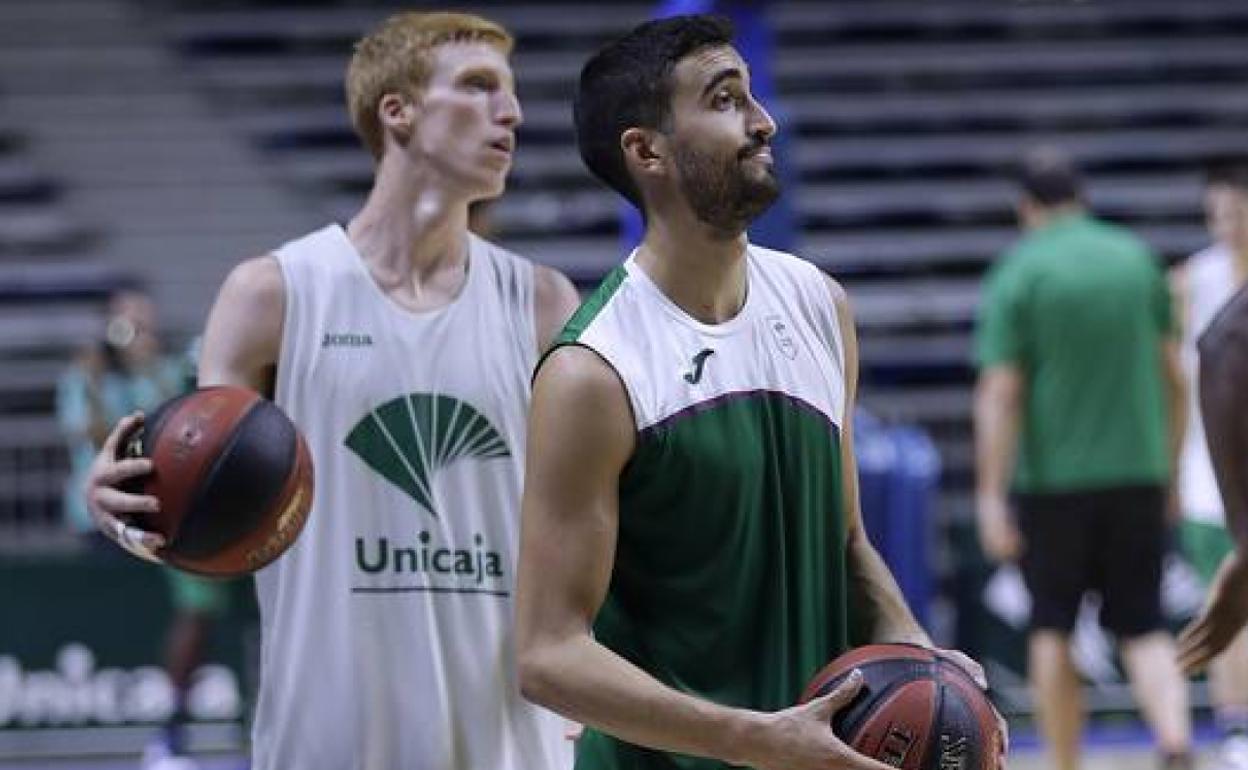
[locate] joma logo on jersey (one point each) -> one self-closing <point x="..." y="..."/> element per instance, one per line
<point x="346" y="340"/>
<point x="694" y="376"/>
<point x="409" y="439"/>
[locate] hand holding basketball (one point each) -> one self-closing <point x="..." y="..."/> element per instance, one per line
<point x="800" y="738"/>
<point x="217" y="482"/>
<point x="919" y="709"/>
<point x="114" y="509"/>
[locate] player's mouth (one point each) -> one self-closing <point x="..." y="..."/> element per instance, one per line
<point x="505" y="145"/>
<point x="762" y="154"/>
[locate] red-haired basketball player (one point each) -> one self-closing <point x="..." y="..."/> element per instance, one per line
<point x="401" y="345"/>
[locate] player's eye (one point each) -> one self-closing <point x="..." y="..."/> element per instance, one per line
<point x="725" y="100"/>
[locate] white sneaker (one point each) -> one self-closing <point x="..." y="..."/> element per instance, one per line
<point x="1233" y="753"/>
<point x="157" y="757"/>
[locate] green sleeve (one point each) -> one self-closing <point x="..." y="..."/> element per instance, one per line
<point x="998" y="335"/>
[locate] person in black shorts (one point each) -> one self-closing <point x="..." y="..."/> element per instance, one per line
<point x="1078" y="411"/>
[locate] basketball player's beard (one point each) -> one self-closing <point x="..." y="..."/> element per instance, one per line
<point x="719" y="190"/>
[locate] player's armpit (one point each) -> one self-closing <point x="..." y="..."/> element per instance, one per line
<point x="243" y="336"/>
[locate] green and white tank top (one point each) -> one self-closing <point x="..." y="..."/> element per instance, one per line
<point x="729" y="579"/>
<point x="387" y="628"/>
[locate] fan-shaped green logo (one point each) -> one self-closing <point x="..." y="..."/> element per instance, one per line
<point x="409" y="438"/>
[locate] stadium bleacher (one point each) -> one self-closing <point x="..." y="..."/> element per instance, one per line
<point x="906" y="116"/>
<point x="49" y="292"/>
<point x="198" y="132"/>
<point x="903" y="117"/>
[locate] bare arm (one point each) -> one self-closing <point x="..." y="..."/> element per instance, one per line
<point x="1178" y="388"/>
<point x="240" y="348"/>
<point x="555" y="299"/>
<point x="581" y="434"/>
<point x="244" y="331"/>
<point x="1223" y="372"/>
<point x="1176" y="414"/>
<point x="1223" y="387"/>
<point x="888" y="616"/>
<point x="884" y="607"/>
<point x="998" y="409"/>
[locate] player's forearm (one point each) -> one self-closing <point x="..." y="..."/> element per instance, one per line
<point x="1176" y="405"/>
<point x="588" y="683"/>
<point x="1223" y="368"/>
<point x="996" y="439"/>
<point x="883" y="607"/>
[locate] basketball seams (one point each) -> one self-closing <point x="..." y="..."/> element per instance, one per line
<point x="879" y="727"/>
<point x="196" y="502"/>
<point x="956" y="727"/>
<point x="263" y="545"/>
<point x="979" y="706"/>
<point x="171" y="468"/>
<point x="219" y="473"/>
<point x="932" y="750"/>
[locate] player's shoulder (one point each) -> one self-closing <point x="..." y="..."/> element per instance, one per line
<point x="775" y="259"/>
<point x="1212" y="259"/>
<point x="576" y="371"/>
<point x="804" y="273"/>
<point x="501" y="257"/>
<point x="1225" y="335"/>
<point x="552" y="290"/>
<point x="256" y="280"/>
<point x="1125" y="240"/>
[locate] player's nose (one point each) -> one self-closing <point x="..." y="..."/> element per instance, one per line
<point x="507" y="109"/>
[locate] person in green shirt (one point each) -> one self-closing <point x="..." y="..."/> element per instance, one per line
<point x="1078" y="412"/>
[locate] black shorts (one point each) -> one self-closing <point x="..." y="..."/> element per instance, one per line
<point x="1110" y="540"/>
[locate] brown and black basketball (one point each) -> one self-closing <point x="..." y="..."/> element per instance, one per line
<point x="915" y="711"/>
<point x="233" y="477"/>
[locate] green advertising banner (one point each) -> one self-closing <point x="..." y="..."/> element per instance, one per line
<point x="82" y="641"/>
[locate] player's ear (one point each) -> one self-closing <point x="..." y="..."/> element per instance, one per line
<point x="645" y="151"/>
<point x="397" y="115"/>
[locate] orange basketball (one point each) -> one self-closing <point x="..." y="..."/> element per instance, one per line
<point x="916" y="710"/>
<point x="233" y="476"/>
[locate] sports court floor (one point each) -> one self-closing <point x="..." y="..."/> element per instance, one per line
<point x="1107" y="757"/>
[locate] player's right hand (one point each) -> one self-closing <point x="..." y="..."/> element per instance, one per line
<point x="112" y="509"/>
<point x="1223" y="617"/>
<point x="998" y="534"/>
<point x="801" y="738"/>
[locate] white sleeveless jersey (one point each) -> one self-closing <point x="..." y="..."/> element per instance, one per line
<point x="1210" y="280"/>
<point x="387" y="628"/>
<point x="652" y="343"/>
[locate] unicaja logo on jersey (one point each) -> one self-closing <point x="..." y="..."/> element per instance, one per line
<point x="408" y="439"/>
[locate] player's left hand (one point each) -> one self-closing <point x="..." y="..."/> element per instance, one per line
<point x="1224" y="615"/>
<point x="976" y="672"/>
